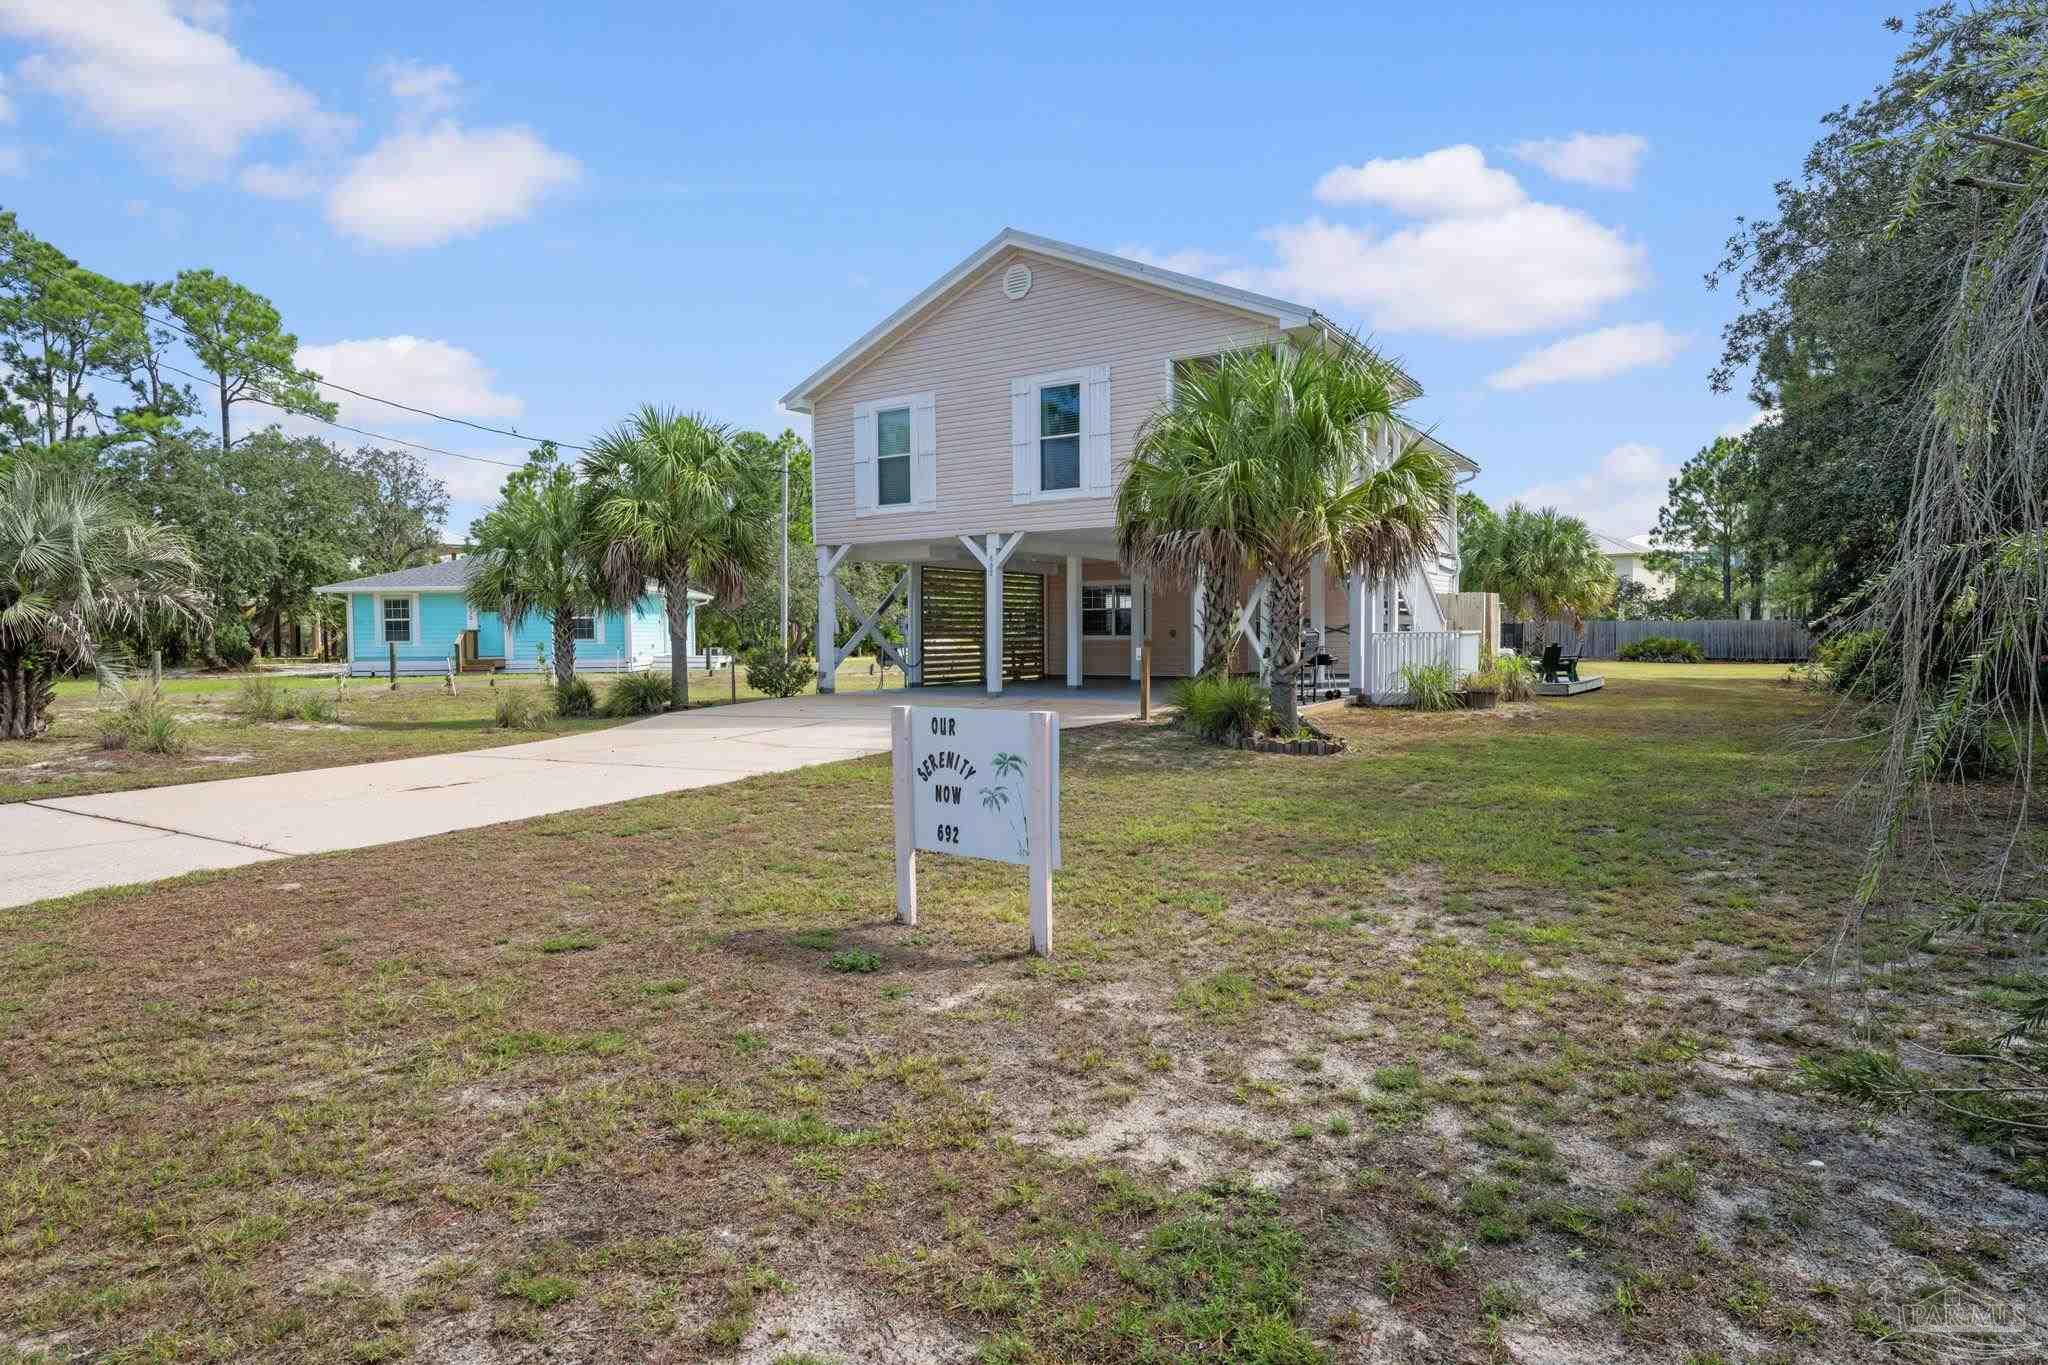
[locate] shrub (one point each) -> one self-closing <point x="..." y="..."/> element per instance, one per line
<point x="1662" y="649"/>
<point x="522" y="708"/>
<point x="257" y="699"/>
<point x="769" y="673"/>
<point x="1430" y="687"/>
<point x="637" y="694"/>
<point x="1517" y="677"/>
<point x="1487" y="679"/>
<point x="113" y="728"/>
<point x="312" y="706"/>
<point x="1858" y="661"/>
<point x="1217" y="708"/>
<point x="573" y="697"/>
<point x="231" y="644"/>
<point x="143" y="720"/>
<point x="855" y="960"/>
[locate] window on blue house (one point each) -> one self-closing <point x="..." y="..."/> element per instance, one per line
<point x="398" y="620"/>
<point x="583" y="627"/>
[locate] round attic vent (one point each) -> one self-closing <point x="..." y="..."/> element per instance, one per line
<point x="1017" y="281"/>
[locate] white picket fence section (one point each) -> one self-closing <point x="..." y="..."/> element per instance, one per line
<point x="1389" y="652"/>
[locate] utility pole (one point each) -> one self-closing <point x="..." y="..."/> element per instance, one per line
<point x="785" y="549"/>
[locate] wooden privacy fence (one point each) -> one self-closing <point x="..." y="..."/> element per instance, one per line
<point x="1732" y="641"/>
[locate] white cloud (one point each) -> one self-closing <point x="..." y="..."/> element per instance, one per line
<point x="1448" y="182"/>
<point x="1743" y="426"/>
<point x="473" y="485"/>
<point x="425" y="89"/>
<point x="164" y="75"/>
<point x="1620" y="496"/>
<point x="420" y="371"/>
<point x="1532" y="267"/>
<point x="425" y="186"/>
<point x="1608" y="160"/>
<point x="268" y="181"/>
<point x="1592" y="355"/>
<point x="1482" y="260"/>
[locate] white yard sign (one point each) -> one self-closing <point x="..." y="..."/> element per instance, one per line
<point x="978" y="784"/>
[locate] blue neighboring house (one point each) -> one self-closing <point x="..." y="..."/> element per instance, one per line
<point x="421" y="611"/>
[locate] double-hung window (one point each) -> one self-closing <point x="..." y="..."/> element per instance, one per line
<point x="1059" y="437"/>
<point x="1059" y="434"/>
<point x="892" y="457"/>
<point x="583" y="626"/>
<point x="398" y="620"/>
<point x="1106" y="611"/>
<point x="895" y="454"/>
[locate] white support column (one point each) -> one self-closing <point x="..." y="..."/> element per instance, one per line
<point x="913" y="628"/>
<point x="993" y="559"/>
<point x="1074" y="620"/>
<point x="1359" y="622"/>
<point x="828" y="616"/>
<point x="1198" y="602"/>
<point x="1040" y="778"/>
<point x="1141" y="584"/>
<point x="902" y="798"/>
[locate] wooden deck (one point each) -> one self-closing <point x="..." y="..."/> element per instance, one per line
<point x="1563" y="688"/>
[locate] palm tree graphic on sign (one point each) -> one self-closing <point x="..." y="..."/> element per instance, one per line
<point x="1008" y="801"/>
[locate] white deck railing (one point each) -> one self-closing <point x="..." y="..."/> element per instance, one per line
<point x="1389" y="652"/>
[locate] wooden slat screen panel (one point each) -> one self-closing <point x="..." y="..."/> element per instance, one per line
<point x="953" y="627"/>
<point x="1023" y="627"/>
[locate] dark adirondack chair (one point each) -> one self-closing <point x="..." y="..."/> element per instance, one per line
<point x="1556" y="661"/>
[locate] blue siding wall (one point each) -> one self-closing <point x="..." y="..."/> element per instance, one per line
<point x="440" y="617"/>
<point x="537" y="632"/>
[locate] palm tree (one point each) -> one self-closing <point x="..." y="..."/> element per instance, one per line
<point x="676" y="501"/>
<point x="1175" y="510"/>
<point x="1545" y="565"/>
<point x="1267" y="461"/>
<point x="77" y="565"/>
<point x="533" y="555"/>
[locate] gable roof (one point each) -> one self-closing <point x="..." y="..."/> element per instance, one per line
<point x="447" y="575"/>
<point x="1285" y="315"/>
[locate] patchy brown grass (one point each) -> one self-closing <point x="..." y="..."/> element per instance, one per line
<point x="1475" y="1043"/>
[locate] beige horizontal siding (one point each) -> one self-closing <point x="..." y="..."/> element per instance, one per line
<point x="967" y="349"/>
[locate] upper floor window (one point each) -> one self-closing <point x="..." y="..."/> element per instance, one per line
<point x="1059" y="437"/>
<point x="896" y="454"/>
<point x="583" y="626"/>
<point x="1059" y="434"/>
<point x="398" y="620"/>
<point x="892" y="457"/>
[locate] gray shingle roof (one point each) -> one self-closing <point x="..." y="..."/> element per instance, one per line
<point x="448" y="574"/>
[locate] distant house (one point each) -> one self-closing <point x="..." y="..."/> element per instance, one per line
<point x="1630" y="559"/>
<point x="422" y="612"/>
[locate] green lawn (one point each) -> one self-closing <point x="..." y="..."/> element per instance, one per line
<point x="1486" y="1032"/>
<point x="373" y="722"/>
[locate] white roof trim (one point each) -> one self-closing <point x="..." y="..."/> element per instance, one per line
<point x="1279" y="312"/>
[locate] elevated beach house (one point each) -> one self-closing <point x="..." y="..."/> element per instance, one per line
<point x="977" y="437"/>
<point x="421" y="614"/>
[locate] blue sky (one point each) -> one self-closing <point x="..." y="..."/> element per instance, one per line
<point x="541" y="220"/>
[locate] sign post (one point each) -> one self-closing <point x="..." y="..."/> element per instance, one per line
<point x="978" y="784"/>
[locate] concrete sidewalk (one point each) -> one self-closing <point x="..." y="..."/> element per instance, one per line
<point x="69" y="844"/>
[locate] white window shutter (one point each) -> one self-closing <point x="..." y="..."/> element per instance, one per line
<point x="924" y="451"/>
<point x="1095" y="432"/>
<point x="1023" y="439"/>
<point x="864" y="458"/>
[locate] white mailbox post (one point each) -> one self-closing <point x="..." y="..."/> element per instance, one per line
<point x="978" y="784"/>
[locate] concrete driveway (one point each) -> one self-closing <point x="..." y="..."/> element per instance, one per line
<point x="69" y="844"/>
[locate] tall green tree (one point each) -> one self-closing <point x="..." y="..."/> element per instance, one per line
<point x="1711" y="513"/>
<point x="676" y="501"/>
<point x="64" y="332"/>
<point x="77" y="566"/>
<point x="533" y="554"/>
<point x="238" y="337"/>
<point x="1545" y="565"/>
<point x="1266" y="461"/>
<point x="400" y="508"/>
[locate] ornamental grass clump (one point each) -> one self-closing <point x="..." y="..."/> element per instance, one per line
<point x="1220" y="709"/>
